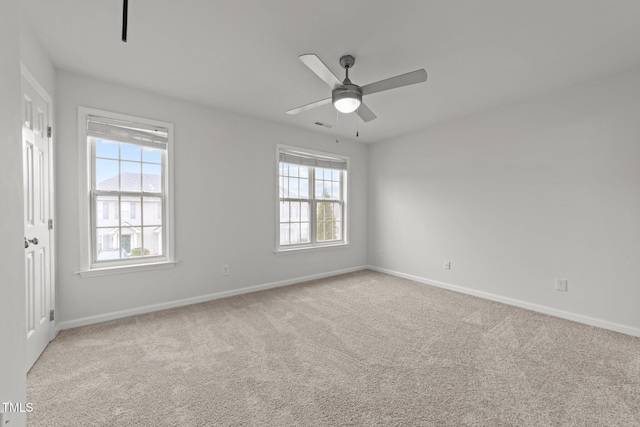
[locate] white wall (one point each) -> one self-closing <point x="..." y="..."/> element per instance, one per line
<point x="519" y="196"/>
<point x="37" y="60"/>
<point x="12" y="296"/>
<point x="225" y="191"/>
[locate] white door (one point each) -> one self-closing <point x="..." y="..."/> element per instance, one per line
<point x="37" y="252"/>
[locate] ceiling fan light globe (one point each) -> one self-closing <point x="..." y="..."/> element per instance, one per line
<point x="347" y="105"/>
<point x="347" y="99"/>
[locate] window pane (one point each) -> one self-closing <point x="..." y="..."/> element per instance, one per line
<point x="329" y="231"/>
<point x="152" y="237"/>
<point x="151" y="211"/>
<point x="130" y="176"/>
<point x="337" y="211"/>
<point x="295" y="233"/>
<point x="107" y="175"/>
<point x="304" y="188"/>
<point x="338" y="230"/>
<point x="284" y="211"/>
<point x="106" y="209"/>
<point x="293" y="170"/>
<point x="326" y="190"/>
<point x="107" y="149"/>
<point x="130" y="211"/>
<point x="320" y="231"/>
<point x="325" y="211"/>
<point x="294" y="193"/>
<point x="305" y="233"/>
<point x="127" y="238"/>
<point x="154" y="241"/>
<point x="108" y="244"/>
<point x="151" y="155"/>
<point x="318" y="194"/>
<point x="319" y="173"/>
<point x="304" y="212"/>
<point x="335" y="175"/>
<point x="295" y="211"/>
<point x="285" y="187"/>
<point x="303" y="171"/>
<point x="130" y="152"/>
<point x="284" y="234"/>
<point x="151" y="178"/>
<point x="124" y="212"/>
<point x="335" y="190"/>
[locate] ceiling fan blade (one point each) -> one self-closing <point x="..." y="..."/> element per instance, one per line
<point x="365" y="113"/>
<point x="411" y="78"/>
<point x="317" y="66"/>
<point x="310" y="106"/>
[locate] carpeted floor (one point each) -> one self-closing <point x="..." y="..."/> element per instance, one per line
<point x="361" y="349"/>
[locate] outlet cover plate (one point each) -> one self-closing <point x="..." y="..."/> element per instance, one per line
<point x="562" y="285"/>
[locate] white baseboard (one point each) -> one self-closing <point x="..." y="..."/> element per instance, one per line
<point x="591" y="321"/>
<point x="89" y="320"/>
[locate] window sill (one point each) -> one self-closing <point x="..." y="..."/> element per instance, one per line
<point x="120" y="269"/>
<point x="291" y="251"/>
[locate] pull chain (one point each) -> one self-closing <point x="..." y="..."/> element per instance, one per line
<point x="337" y="117"/>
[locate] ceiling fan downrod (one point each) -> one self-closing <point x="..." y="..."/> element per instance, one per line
<point x="346" y="62"/>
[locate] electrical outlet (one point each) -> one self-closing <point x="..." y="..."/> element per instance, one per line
<point x="225" y="269"/>
<point x="381" y="252"/>
<point x="447" y="265"/>
<point x="562" y="285"/>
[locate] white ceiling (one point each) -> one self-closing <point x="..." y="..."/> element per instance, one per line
<point x="242" y="55"/>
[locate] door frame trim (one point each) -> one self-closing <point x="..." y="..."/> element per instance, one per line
<point x="30" y="78"/>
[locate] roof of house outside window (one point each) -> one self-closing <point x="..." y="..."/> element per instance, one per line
<point x="151" y="182"/>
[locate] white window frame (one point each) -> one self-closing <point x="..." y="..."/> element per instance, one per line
<point x="88" y="267"/>
<point x="313" y="245"/>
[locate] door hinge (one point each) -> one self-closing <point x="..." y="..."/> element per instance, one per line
<point x="51" y="224"/>
<point x="49" y="131"/>
<point x="52" y="315"/>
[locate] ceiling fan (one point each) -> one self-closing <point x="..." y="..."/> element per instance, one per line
<point x="346" y="96"/>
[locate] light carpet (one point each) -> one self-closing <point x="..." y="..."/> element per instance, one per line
<point x="361" y="349"/>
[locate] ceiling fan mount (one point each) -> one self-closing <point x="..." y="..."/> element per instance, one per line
<point x="347" y="61"/>
<point x="346" y="96"/>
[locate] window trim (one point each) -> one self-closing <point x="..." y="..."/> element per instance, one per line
<point x="328" y="245"/>
<point x="86" y="156"/>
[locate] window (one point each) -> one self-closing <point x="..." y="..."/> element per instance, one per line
<point x="311" y="199"/>
<point x="127" y="191"/>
